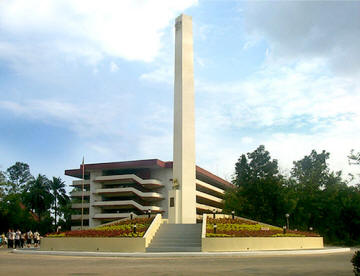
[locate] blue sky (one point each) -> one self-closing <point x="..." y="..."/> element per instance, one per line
<point x="96" y="79"/>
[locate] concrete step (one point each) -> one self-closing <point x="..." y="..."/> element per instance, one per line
<point x="171" y="243"/>
<point x="177" y="238"/>
<point x="174" y="249"/>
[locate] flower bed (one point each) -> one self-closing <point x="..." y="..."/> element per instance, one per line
<point x="119" y="229"/>
<point x="227" y="227"/>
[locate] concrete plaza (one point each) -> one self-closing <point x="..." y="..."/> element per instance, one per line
<point x="37" y="265"/>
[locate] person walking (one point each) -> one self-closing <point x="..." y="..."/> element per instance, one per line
<point x="8" y="234"/>
<point x="36" y="238"/>
<point x="17" y="238"/>
<point x="22" y="240"/>
<point x="29" y="238"/>
<point x="4" y="240"/>
<point x="11" y="238"/>
<point x="13" y="234"/>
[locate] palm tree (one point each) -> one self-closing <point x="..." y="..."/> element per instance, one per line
<point x="57" y="189"/>
<point x="37" y="195"/>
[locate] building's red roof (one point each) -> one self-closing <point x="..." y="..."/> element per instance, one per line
<point x="148" y="163"/>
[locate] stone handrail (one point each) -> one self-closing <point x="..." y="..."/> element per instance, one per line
<point x="203" y="230"/>
<point x="150" y="233"/>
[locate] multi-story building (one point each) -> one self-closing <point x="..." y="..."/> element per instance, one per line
<point x="115" y="190"/>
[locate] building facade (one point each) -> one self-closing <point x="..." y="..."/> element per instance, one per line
<point x="114" y="190"/>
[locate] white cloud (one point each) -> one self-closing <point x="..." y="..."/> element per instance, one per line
<point x="87" y="120"/>
<point x="247" y="140"/>
<point x="113" y="67"/>
<point x="275" y="96"/>
<point x="131" y="30"/>
<point x="162" y="74"/>
<point x="290" y="109"/>
<point x="300" y="30"/>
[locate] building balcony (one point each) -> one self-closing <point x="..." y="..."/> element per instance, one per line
<point x="126" y="178"/>
<point x="79" y="183"/>
<point x="78" y="217"/>
<point x="79" y="193"/>
<point x="107" y="216"/>
<point x="129" y="191"/>
<point x="126" y="204"/>
<point x="210" y="200"/>
<point x="79" y="205"/>
<point x="202" y="208"/>
<point x="209" y="189"/>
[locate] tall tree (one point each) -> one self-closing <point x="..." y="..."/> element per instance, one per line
<point x="57" y="189"/>
<point x="18" y="175"/>
<point x="259" y="192"/>
<point x="37" y="195"/>
<point x="3" y="185"/>
<point x="312" y="171"/>
<point x="354" y="158"/>
<point x="319" y="192"/>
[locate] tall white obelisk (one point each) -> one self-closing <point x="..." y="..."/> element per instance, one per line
<point x="182" y="206"/>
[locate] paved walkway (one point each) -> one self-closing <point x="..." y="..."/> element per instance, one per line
<point x="39" y="265"/>
<point x="328" y="250"/>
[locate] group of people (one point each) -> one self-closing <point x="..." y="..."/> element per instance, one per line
<point x="16" y="239"/>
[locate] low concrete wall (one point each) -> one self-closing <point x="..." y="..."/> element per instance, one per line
<point x="93" y="244"/>
<point x="260" y="243"/>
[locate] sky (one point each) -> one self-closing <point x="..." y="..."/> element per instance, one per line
<point x="95" y="79"/>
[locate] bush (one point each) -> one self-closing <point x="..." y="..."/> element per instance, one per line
<point x="356" y="263"/>
<point x="122" y="228"/>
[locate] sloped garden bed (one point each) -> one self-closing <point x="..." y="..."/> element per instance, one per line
<point x="123" y="228"/>
<point x="227" y="227"/>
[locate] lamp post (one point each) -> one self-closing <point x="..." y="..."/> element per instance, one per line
<point x="82" y="193"/>
<point x="131" y="215"/>
<point x="233" y="214"/>
<point x="310" y="228"/>
<point x="149" y="213"/>
<point x="214" y="212"/>
<point x="287" y="220"/>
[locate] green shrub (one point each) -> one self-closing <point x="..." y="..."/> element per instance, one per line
<point x="288" y="235"/>
<point x="356" y="263"/>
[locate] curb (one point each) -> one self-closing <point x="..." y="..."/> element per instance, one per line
<point x="186" y="254"/>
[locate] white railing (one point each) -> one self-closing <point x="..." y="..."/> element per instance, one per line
<point x="80" y="182"/>
<point x="209" y="197"/>
<point x="210" y="187"/>
<point x="79" y="193"/>
<point x="129" y="176"/>
<point x="150" y="233"/>
<point x="203" y="230"/>
<point x="79" y="205"/>
<point x="126" y="202"/>
<point x="129" y="189"/>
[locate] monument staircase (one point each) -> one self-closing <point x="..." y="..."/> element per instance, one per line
<point x="177" y="238"/>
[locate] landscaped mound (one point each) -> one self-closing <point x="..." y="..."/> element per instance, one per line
<point x="227" y="227"/>
<point x="124" y="228"/>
